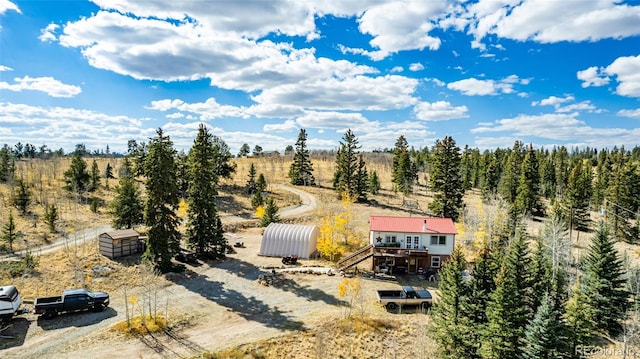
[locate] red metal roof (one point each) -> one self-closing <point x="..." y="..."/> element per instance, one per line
<point x="412" y="224"/>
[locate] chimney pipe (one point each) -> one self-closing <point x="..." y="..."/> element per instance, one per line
<point x="424" y="226"/>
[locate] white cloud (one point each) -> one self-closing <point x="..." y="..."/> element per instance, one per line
<point x="208" y="110"/>
<point x="49" y="33"/>
<point x="592" y="77"/>
<point x="475" y="87"/>
<point x="553" y="101"/>
<point x="286" y="126"/>
<point x="630" y="113"/>
<point x="560" y="127"/>
<point x="60" y="127"/>
<point x="416" y="66"/>
<point x="581" y="106"/>
<point x="398" y="26"/>
<point x="396" y="69"/>
<point x="338" y="121"/>
<point x="48" y="85"/>
<point x="5" y="68"/>
<point x="439" y="111"/>
<point x="6" y="5"/>
<point x="627" y="73"/>
<point x="552" y="21"/>
<point x="175" y="115"/>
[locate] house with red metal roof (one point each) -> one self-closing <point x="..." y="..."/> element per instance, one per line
<point x="406" y="244"/>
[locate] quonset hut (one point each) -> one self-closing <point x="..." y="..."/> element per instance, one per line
<point x="281" y="240"/>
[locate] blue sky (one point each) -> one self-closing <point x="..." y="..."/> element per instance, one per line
<point x="486" y="72"/>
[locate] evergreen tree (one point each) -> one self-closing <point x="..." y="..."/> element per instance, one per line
<point x="108" y="172"/>
<point x="445" y="179"/>
<point x="257" y="199"/>
<point x="509" y="181"/>
<point x="509" y="309"/>
<point x="94" y="177"/>
<point x="545" y="334"/>
<point x="9" y="234"/>
<point x="203" y="234"/>
<point x="547" y="177"/>
<point x="561" y="164"/>
<point x="466" y="168"/>
<point x="51" y="217"/>
<point x="261" y="183"/>
<point x="403" y="174"/>
<point x="374" y="183"/>
<point x="575" y="199"/>
<point x="127" y="208"/>
<point x="301" y="170"/>
<point x="270" y="213"/>
<point x="579" y="318"/>
<point x="541" y="280"/>
<point x="347" y="175"/>
<point x="76" y="177"/>
<point x="244" y="150"/>
<point x="528" y="191"/>
<point x="182" y="173"/>
<point x="491" y="178"/>
<point x="22" y="197"/>
<point x="7" y="164"/>
<point x="163" y="238"/>
<point x="257" y="150"/>
<point x="362" y="180"/>
<point x="222" y="160"/>
<point x="623" y="197"/>
<point x="453" y="331"/>
<point x="251" y="186"/>
<point x="604" y="283"/>
<point x="603" y="171"/>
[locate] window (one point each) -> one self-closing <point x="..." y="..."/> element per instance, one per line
<point x="409" y="242"/>
<point x="438" y="240"/>
<point x="416" y="242"/>
<point x="390" y="239"/>
<point x="435" y="262"/>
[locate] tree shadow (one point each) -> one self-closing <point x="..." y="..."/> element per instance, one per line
<point x="249" y="271"/>
<point x="249" y="308"/>
<point x="15" y="334"/>
<point x="76" y="319"/>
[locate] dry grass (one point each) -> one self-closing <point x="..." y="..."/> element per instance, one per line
<point x="404" y="336"/>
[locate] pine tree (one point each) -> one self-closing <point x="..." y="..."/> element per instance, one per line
<point x="527" y="199"/>
<point x="9" y="234"/>
<point x="76" y="177"/>
<point x="451" y="328"/>
<point x="491" y="178"/>
<point x="445" y="179"/>
<point x="603" y="171"/>
<point x="374" y="183"/>
<point x="466" y="168"/>
<point x="579" y="318"/>
<point x="623" y="199"/>
<point x="51" y="217"/>
<point x="7" y="164"/>
<point x="22" y="197"/>
<point x="270" y="213"/>
<point x="509" y="308"/>
<point x="576" y="197"/>
<point x="108" y="172"/>
<point x="94" y="177"/>
<point x="251" y="186"/>
<point x="261" y="183"/>
<point x="163" y="238"/>
<point x="222" y="160"/>
<point x="509" y="180"/>
<point x="301" y="169"/>
<point x="541" y="279"/>
<point x="257" y="199"/>
<point x="127" y="208"/>
<point x="362" y="180"/>
<point x="544" y="335"/>
<point x="604" y="283"/>
<point x="403" y="174"/>
<point x="244" y="150"/>
<point x="203" y="234"/>
<point x="348" y="173"/>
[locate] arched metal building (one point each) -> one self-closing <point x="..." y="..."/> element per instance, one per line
<point x="281" y="240"/>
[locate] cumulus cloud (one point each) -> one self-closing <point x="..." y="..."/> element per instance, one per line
<point x="48" y="85"/>
<point x="207" y="110"/>
<point x="630" y="113"/>
<point x="333" y="120"/>
<point x="5" y="68"/>
<point x="592" y="77"/>
<point x="49" y="33"/>
<point x="286" y="126"/>
<point x="560" y="127"/>
<point x="439" y="111"/>
<point x="475" y="87"/>
<point x="416" y="66"/>
<point x="627" y="72"/>
<point x="396" y="69"/>
<point x="553" y="101"/>
<point x="6" y="5"/>
<point x="550" y="21"/>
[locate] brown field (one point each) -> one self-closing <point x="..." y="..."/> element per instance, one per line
<point x="300" y="319"/>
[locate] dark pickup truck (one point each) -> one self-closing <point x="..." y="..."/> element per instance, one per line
<point x="71" y="300"/>
<point x="407" y="296"/>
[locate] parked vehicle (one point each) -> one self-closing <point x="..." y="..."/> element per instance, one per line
<point x="10" y="302"/>
<point x="186" y="256"/>
<point x="406" y="296"/>
<point x="72" y="300"/>
<point x="289" y="259"/>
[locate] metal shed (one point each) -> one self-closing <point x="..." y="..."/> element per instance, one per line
<point x="120" y="243"/>
<point x="281" y="240"/>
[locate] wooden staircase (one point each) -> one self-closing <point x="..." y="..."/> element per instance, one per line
<point x="356" y="257"/>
